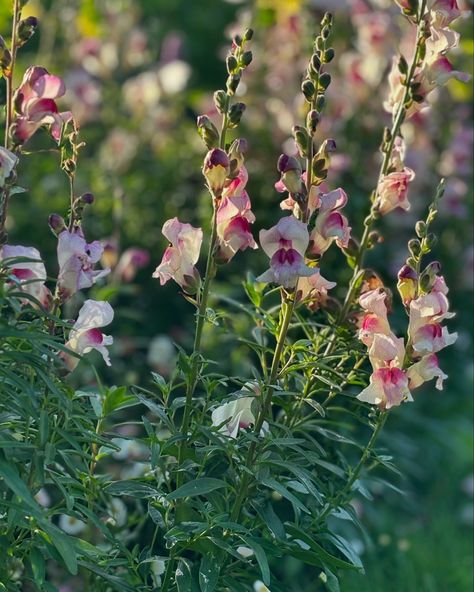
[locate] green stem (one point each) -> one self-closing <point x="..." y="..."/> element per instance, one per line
<point x="287" y="313"/>
<point x="394" y="132"/>
<point x="382" y="418"/>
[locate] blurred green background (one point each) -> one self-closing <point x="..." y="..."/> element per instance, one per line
<point x="138" y="73"/>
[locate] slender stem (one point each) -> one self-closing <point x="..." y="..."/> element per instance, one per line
<point x="382" y="418"/>
<point x="287" y="313"/>
<point x="397" y="123"/>
<point x="9" y="77"/>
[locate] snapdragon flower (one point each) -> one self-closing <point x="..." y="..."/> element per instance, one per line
<point x="31" y="275"/>
<point x="181" y="256"/>
<point x="35" y="103"/>
<point x="286" y="245"/>
<point x="76" y="260"/>
<point x="86" y="335"/>
<point x="330" y="224"/>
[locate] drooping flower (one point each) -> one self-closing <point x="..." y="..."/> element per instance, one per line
<point x="86" y="335"/>
<point x="286" y="245"/>
<point x="392" y="191"/>
<point x="181" y="256"/>
<point x="388" y="388"/>
<point x="237" y="414"/>
<point x="31" y="275"/>
<point x="8" y="161"/>
<point x="426" y="369"/>
<point x="375" y="319"/>
<point x="35" y="103"/>
<point x="407" y="284"/>
<point x="314" y="288"/>
<point x="386" y="351"/>
<point x="330" y="224"/>
<point x="234" y="217"/>
<point x="76" y="260"/>
<point x="130" y="262"/>
<point x="216" y="169"/>
<point x="426" y="333"/>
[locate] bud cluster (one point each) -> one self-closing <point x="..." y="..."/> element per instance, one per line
<point x="5" y="58"/>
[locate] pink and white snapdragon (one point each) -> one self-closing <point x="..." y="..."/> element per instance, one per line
<point x="286" y="244"/>
<point x="76" y="260"/>
<point x="181" y="256"/>
<point x="131" y="260"/>
<point x="330" y="226"/>
<point x="30" y="275"/>
<point x="388" y="388"/>
<point x="426" y="333"/>
<point x="86" y="335"/>
<point x="234" y="216"/>
<point x="8" y="162"/>
<point x="425" y="370"/>
<point x="392" y="191"/>
<point x="314" y="288"/>
<point x="237" y="414"/>
<point x="35" y="103"/>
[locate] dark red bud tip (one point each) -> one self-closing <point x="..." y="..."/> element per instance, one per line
<point x="330" y="145"/>
<point x="31" y="21"/>
<point x="216" y="157"/>
<point x="287" y="163"/>
<point x="407" y="272"/>
<point x="56" y="222"/>
<point x="434" y="267"/>
<point x="87" y="198"/>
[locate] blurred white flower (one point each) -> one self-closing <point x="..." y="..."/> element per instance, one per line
<point x="118" y="511"/>
<point x="157" y="570"/>
<point x="174" y="76"/>
<point x="245" y="551"/>
<point x="71" y="525"/>
<point x="43" y="498"/>
<point x="162" y="354"/>
<point x="260" y="587"/>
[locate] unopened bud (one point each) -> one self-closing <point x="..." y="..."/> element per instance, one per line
<point x="246" y="59"/>
<point x="420" y="229"/>
<point x="320" y="101"/>
<point x="26" y="29"/>
<point x="407" y="284"/>
<point x="248" y="34"/>
<point x="329" y="55"/>
<point x="409" y="7"/>
<point x="208" y="131"/>
<point x="233" y="83"/>
<point x="308" y="89"/>
<point x="87" y="198"/>
<point x="301" y="139"/>
<point x="375" y="237"/>
<point x="314" y="66"/>
<point x="431" y="240"/>
<point x="236" y="155"/>
<point x="232" y="64"/>
<point x="235" y="114"/>
<point x="220" y="100"/>
<point x="414" y="246"/>
<point x="216" y="169"/>
<point x="324" y="80"/>
<point x="312" y="121"/>
<point x="325" y="32"/>
<point x="290" y="170"/>
<point x="56" y="223"/>
<point x="238" y="40"/>
<point x="429" y="275"/>
<point x="5" y="56"/>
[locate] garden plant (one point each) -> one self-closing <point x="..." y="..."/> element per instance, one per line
<point x="207" y="475"/>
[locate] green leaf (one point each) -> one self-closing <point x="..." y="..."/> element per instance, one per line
<point x="116" y="399"/>
<point x="63" y="545"/>
<point x="261" y="558"/>
<point x="132" y="488"/>
<point x="332" y="583"/>
<point x="282" y="490"/>
<point x="303" y="476"/>
<point x="208" y="573"/>
<point x="268" y="515"/>
<point x="38" y="565"/>
<point x="184" y="579"/>
<point x="196" y="487"/>
<point x="14" y="482"/>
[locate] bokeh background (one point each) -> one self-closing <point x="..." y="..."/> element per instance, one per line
<point x="138" y="73"/>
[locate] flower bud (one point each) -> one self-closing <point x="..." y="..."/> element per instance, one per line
<point x="420" y="229"/>
<point x="236" y="155"/>
<point x="409" y="7"/>
<point x="235" y="114"/>
<point x="56" y="223"/>
<point x="320" y="163"/>
<point x="308" y="89"/>
<point x="5" y="56"/>
<point x="290" y="170"/>
<point x="216" y="169"/>
<point x="238" y="40"/>
<point x="208" y="131"/>
<point x="220" y="100"/>
<point x="431" y="241"/>
<point x="414" y="246"/>
<point x="329" y="55"/>
<point x="326" y="31"/>
<point x="87" y="198"/>
<point x="26" y="29"/>
<point x="248" y="34"/>
<point x="324" y="80"/>
<point x="232" y="64"/>
<point x="301" y="139"/>
<point x="428" y="277"/>
<point x="312" y="121"/>
<point x="407" y="284"/>
<point x="233" y="83"/>
<point x="320" y="101"/>
<point x="246" y="59"/>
